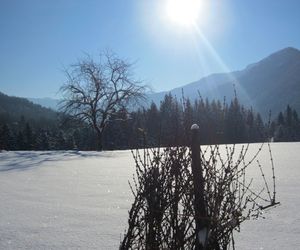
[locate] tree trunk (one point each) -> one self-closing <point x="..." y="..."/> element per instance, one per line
<point x="99" y="146"/>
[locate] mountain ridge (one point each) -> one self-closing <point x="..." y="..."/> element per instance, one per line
<point x="269" y="84"/>
<point x="276" y="76"/>
<point x="12" y="109"/>
<point x="46" y="102"/>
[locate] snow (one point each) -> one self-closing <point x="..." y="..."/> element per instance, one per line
<point x="281" y="228"/>
<point x="63" y="200"/>
<point x="80" y="200"/>
<point x="195" y="127"/>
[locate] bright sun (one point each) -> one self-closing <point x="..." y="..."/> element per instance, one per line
<point x="183" y="12"/>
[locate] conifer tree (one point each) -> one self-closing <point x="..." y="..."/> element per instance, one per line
<point x="29" y="139"/>
<point x="5" y="138"/>
<point x="20" y="141"/>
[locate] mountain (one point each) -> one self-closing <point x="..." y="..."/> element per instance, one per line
<point x="269" y="84"/>
<point x="15" y="109"/>
<point x="46" y="102"/>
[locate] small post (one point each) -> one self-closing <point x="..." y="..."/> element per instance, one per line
<point x="199" y="206"/>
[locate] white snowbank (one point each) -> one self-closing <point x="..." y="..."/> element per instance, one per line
<point x="80" y="200"/>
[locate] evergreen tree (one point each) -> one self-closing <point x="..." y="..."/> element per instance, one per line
<point x="43" y="142"/>
<point x="235" y="125"/>
<point x="250" y="126"/>
<point x="280" y="119"/>
<point x="287" y="126"/>
<point x="170" y="123"/>
<point x="29" y="139"/>
<point x="60" y="141"/>
<point x="188" y="120"/>
<point x="153" y="124"/>
<point x="20" y="141"/>
<point x="70" y="142"/>
<point x="259" y="128"/>
<point x="6" y="140"/>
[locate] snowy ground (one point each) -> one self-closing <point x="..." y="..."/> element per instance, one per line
<point x="79" y="200"/>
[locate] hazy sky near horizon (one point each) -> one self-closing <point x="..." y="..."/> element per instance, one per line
<point x="40" y="38"/>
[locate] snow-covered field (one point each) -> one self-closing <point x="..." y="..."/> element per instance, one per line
<point x="79" y="200"/>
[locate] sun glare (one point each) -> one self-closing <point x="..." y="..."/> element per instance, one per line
<point x="183" y="12"/>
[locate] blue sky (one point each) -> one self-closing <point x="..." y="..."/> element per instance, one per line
<point x="38" y="38"/>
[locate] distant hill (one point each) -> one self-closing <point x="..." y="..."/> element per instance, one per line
<point x="46" y="102"/>
<point x="269" y="84"/>
<point x="12" y="109"/>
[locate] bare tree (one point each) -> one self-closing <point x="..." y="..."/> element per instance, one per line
<point x="94" y="91"/>
<point x="164" y="212"/>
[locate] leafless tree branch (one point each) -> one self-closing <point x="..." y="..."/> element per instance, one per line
<point x="93" y="91"/>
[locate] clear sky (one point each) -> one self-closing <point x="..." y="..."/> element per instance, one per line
<point x="38" y="38"/>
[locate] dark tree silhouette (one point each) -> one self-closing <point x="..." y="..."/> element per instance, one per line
<point x="194" y="198"/>
<point x="95" y="91"/>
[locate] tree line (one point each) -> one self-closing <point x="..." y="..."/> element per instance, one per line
<point x="220" y="123"/>
<point x="95" y="114"/>
<point x="167" y="124"/>
<point x="22" y="135"/>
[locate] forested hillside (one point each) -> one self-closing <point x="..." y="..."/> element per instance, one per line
<point x="12" y="109"/>
<point x="27" y="126"/>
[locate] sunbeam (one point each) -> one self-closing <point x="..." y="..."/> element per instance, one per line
<point x="236" y="86"/>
